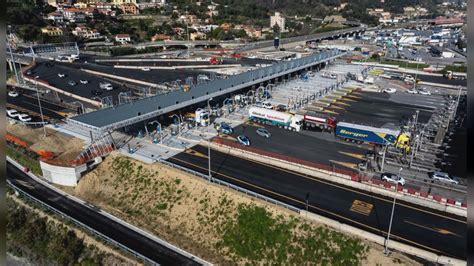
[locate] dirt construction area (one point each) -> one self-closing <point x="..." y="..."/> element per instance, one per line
<point x="65" y="147"/>
<point x="218" y="224"/>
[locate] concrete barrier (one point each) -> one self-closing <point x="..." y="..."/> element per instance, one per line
<point x="404" y="195"/>
<point x="87" y="100"/>
<point x="121" y="78"/>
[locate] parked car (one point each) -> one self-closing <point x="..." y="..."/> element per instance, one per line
<point x="264" y="133"/>
<point x="243" y="140"/>
<point x="412" y="91"/>
<point x="83" y="81"/>
<point x="389" y="90"/>
<point x="13" y="94"/>
<point x="393" y="178"/>
<point x="72" y="83"/>
<point x="12" y="113"/>
<point x="146" y="69"/>
<point x="24" y="117"/>
<point x="226" y="128"/>
<point x="444" y="178"/>
<point x="267" y="105"/>
<point x="61" y="75"/>
<point x="424" y="92"/>
<point x="106" y="86"/>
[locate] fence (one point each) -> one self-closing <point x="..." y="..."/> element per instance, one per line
<point x="229" y="185"/>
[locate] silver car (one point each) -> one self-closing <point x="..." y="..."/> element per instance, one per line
<point x="444" y="177"/>
<point x="264" y="133"/>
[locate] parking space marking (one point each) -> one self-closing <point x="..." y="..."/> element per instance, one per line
<point x="362" y="207"/>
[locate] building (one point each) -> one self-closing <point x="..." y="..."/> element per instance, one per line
<point x="160" y="37"/>
<point x="277" y="19"/>
<point x="118" y="3"/>
<point x="198" y="36"/>
<point x="334" y="19"/>
<point x="85" y="32"/>
<point x="52" y="31"/>
<point x="80" y="5"/>
<point x="130" y="8"/>
<point x="122" y="38"/>
<point x="74" y="15"/>
<point x="88" y="2"/>
<point x="56" y="17"/>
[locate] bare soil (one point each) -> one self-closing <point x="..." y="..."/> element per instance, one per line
<point x="65" y="147"/>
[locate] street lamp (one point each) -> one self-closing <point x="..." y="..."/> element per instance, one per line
<point x="39" y="105"/>
<point x="386" y="251"/>
<point x="209" y="142"/>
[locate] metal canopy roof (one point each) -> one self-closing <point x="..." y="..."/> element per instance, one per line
<point x="130" y="113"/>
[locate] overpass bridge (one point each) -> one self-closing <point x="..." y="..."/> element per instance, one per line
<point x="317" y="37"/>
<point x="101" y="122"/>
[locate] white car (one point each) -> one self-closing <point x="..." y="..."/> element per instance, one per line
<point x="412" y="91"/>
<point x="61" y="75"/>
<point x="146" y="69"/>
<point x="13" y="94"/>
<point x="443" y="177"/>
<point x="24" y="117"/>
<point x="424" y="92"/>
<point x="392" y="178"/>
<point x="12" y="113"/>
<point x="389" y="90"/>
<point x="83" y="81"/>
<point x="106" y="86"/>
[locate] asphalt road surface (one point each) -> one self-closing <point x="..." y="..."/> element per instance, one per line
<point x="325" y="149"/>
<point x="30" y="102"/>
<point x="377" y="109"/>
<point x="91" y="218"/>
<point x="428" y="229"/>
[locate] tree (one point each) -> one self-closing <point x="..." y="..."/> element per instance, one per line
<point x="276" y="28"/>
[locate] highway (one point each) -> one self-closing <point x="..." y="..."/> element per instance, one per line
<point x="435" y="231"/>
<point x="123" y="235"/>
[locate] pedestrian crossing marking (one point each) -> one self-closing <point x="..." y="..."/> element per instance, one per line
<point x="362" y="207"/>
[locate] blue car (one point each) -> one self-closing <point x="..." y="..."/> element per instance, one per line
<point x="226" y="129"/>
<point x="243" y="140"/>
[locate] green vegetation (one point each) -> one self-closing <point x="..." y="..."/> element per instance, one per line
<point x="329" y="28"/>
<point x="258" y="236"/>
<point x="454" y="68"/>
<point x="118" y="51"/>
<point x="25" y="158"/>
<point x="46" y="242"/>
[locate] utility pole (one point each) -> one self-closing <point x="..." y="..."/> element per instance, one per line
<point x="386" y="251"/>
<point x="41" y="109"/>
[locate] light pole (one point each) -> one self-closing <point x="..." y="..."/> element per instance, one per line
<point x="41" y="109"/>
<point x="82" y="106"/>
<point x="386" y="251"/>
<point x="209" y="142"/>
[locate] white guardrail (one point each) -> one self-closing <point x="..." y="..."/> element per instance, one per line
<point x="108" y="215"/>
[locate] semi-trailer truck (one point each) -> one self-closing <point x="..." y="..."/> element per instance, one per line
<point x="372" y="135"/>
<point x="321" y="120"/>
<point x="276" y="118"/>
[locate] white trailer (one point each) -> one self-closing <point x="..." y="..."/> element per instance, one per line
<point x="276" y="118"/>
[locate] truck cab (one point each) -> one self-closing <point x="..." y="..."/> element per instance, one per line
<point x="296" y="122"/>
<point x="202" y="117"/>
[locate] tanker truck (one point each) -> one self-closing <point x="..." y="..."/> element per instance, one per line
<point x="276" y="118"/>
<point x="372" y="135"/>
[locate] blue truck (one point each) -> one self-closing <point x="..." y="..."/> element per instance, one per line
<point x="372" y="135"/>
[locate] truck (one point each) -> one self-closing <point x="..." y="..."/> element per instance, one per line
<point x="455" y="75"/>
<point x="200" y="117"/>
<point x="283" y="120"/>
<point x="320" y="120"/>
<point x="372" y="135"/>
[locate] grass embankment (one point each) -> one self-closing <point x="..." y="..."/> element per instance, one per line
<point x="212" y="222"/>
<point x="44" y="240"/>
<point x="24" y="159"/>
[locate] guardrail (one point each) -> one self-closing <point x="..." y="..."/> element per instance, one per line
<point x="78" y="223"/>
<point x="114" y="218"/>
<point x="235" y="187"/>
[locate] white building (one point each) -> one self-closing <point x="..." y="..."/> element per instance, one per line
<point x="56" y="17"/>
<point x="122" y="38"/>
<point x="86" y="32"/>
<point x="277" y="19"/>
